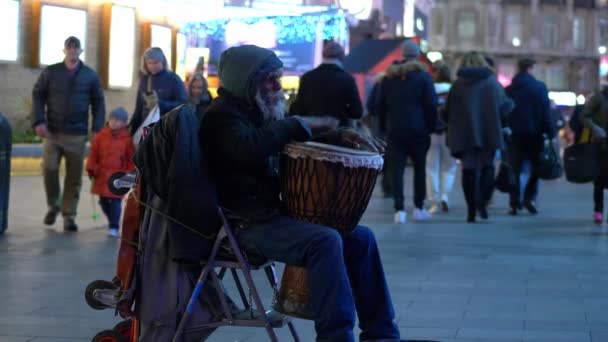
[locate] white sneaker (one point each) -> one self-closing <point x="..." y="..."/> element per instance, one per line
<point x="400" y="216"/>
<point x="422" y="215"/>
<point x="113" y="232"/>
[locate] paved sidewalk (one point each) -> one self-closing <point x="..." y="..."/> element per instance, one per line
<point x="532" y="279"/>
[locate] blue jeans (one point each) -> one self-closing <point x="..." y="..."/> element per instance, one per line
<point x="111" y="207"/>
<point x="344" y="273"/>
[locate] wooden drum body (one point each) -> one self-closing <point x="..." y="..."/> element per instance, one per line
<point x="326" y="185"/>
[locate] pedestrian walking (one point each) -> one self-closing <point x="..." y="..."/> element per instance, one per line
<point x="595" y="117"/>
<point x="407" y="110"/>
<point x="158" y="86"/>
<point x="530" y="121"/>
<point x="111" y="152"/>
<point x="198" y="94"/>
<point x="61" y="99"/>
<point x="476" y="111"/>
<point x="328" y="90"/>
<point x="441" y="167"/>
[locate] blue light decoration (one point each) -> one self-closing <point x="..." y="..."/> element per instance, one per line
<point x="289" y="29"/>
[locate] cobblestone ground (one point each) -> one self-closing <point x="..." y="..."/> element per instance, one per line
<point x="527" y="278"/>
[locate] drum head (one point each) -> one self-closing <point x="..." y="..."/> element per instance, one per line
<point x="346" y="156"/>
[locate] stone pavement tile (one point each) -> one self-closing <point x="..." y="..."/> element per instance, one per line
<point x="427" y="333"/>
<point x="554" y="293"/>
<point x="552" y="325"/>
<point x="599" y="336"/>
<point x="62" y="339"/>
<point x="48" y="331"/>
<point x="5" y="338"/>
<point x="578" y="336"/>
<point x="490" y="333"/>
<point x="493" y="313"/>
<point x="492" y="323"/>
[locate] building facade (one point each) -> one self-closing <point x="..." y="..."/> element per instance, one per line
<point x="566" y="37"/>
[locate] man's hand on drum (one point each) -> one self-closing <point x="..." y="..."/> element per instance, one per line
<point x="356" y="140"/>
<point x="320" y="122"/>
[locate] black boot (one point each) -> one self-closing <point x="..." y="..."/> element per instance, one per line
<point x="486" y="185"/>
<point x="469" y="180"/>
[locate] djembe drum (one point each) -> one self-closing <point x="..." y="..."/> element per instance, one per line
<point x="326" y="185"/>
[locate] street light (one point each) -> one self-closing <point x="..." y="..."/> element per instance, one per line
<point x="516" y="42"/>
<point x="602" y="49"/>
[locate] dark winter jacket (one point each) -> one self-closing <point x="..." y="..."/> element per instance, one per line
<point x="62" y="101"/>
<point x="173" y="167"/>
<point x="171" y="93"/>
<point x="531" y="117"/>
<point x="242" y="149"/>
<point x="202" y="106"/>
<point x="407" y="103"/>
<point x="595" y="112"/>
<point x="243" y="152"/>
<point x="328" y="90"/>
<point x="476" y="110"/>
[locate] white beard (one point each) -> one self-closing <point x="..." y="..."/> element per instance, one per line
<point x="272" y="105"/>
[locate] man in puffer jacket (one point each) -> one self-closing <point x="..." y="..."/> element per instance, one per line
<point x="61" y="100"/>
<point x="407" y="110"/>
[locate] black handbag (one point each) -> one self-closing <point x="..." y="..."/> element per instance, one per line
<point x="581" y="162"/>
<point x="549" y="164"/>
<point x="505" y="179"/>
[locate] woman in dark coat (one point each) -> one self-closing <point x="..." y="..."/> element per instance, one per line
<point x="476" y="110"/>
<point x="198" y="93"/>
<point x="157" y="86"/>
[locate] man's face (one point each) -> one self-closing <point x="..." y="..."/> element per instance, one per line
<point x="72" y="52"/>
<point x="270" y="97"/>
<point x="154" y="66"/>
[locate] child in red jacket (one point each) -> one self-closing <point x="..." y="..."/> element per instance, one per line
<point x="111" y="151"/>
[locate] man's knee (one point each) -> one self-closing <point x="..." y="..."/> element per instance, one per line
<point x="329" y="239"/>
<point x="362" y="238"/>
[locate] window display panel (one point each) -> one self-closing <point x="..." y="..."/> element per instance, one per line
<point x="54" y="31"/>
<point x="160" y="36"/>
<point x="122" y="47"/>
<point x="9" y="26"/>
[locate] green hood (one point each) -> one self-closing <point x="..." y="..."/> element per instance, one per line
<point x="239" y="67"/>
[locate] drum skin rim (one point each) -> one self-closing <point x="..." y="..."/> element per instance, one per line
<point x="335" y="154"/>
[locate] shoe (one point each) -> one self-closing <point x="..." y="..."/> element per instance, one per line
<point x="529" y="205"/>
<point x="513" y="211"/>
<point x="400" y="216"/>
<point x="433" y="209"/>
<point x="113" y="232"/>
<point x="422" y="215"/>
<point x="69" y="225"/>
<point x="598" y="217"/>
<point x="444" y="207"/>
<point x="50" y="217"/>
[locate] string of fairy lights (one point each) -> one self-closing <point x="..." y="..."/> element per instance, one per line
<point x="289" y="29"/>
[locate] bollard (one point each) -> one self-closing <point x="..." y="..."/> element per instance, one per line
<point x="6" y="142"/>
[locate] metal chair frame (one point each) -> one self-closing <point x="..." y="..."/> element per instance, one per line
<point x="208" y="274"/>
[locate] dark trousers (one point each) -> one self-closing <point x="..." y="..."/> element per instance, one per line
<point x="111" y="207"/>
<point x="598" y="196"/>
<point x="397" y="154"/>
<point x="520" y="150"/>
<point x="344" y="273"/>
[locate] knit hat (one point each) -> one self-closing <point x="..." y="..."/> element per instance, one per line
<point x="240" y="65"/>
<point x="120" y="114"/>
<point x="411" y="50"/>
<point x="332" y="49"/>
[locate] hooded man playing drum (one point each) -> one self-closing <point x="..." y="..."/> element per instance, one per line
<point x="242" y="133"/>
